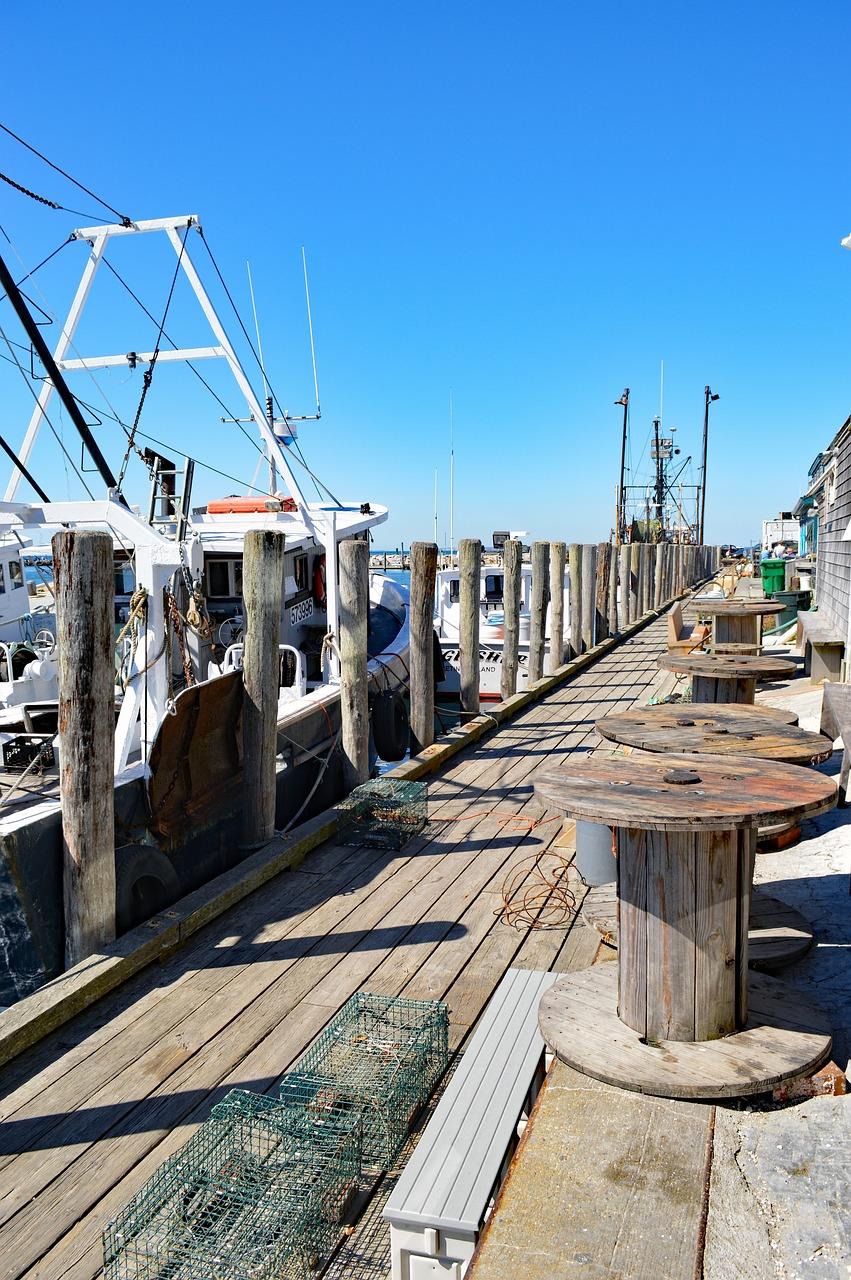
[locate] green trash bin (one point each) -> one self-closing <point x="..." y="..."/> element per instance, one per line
<point x="773" y="575"/>
<point x="793" y="602"/>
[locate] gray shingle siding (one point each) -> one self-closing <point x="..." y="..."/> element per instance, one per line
<point x="834" y="555"/>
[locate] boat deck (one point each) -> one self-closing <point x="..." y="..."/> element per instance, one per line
<point x="90" y="1112"/>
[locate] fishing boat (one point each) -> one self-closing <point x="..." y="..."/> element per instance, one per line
<point x="447" y="623"/>
<point x="178" y="627"/>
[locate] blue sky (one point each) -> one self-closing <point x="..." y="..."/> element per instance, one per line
<point x="528" y="205"/>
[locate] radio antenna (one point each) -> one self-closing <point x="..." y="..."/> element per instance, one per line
<point x="310" y="328"/>
<point x="270" y="413"/>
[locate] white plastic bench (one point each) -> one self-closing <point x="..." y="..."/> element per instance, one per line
<point x="442" y="1199"/>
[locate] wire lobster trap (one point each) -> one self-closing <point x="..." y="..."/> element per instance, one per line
<point x="384" y="813"/>
<point x="382" y="1056"/>
<point x="258" y="1193"/>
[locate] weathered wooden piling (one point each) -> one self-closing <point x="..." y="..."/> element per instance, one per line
<point x="262" y="582"/>
<point x="659" y="576"/>
<point x="634" y="565"/>
<point x="423" y="572"/>
<point x="614" y="624"/>
<point x="540" y="601"/>
<point x="354" y="692"/>
<point x="470" y="568"/>
<point x="84" y="593"/>
<point x="557" y="558"/>
<point x="642" y="579"/>
<point x="601" y="603"/>
<point x="624" y="575"/>
<point x="589" y="592"/>
<point x="574" y="573"/>
<point x="512" y="558"/>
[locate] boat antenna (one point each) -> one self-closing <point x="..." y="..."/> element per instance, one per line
<point x="620" y="531"/>
<point x="270" y="410"/>
<point x="310" y="330"/>
<point x="435" y="504"/>
<point x="451" y="479"/>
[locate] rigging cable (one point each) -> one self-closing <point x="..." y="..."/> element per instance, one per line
<point x="122" y="217"/>
<point x="148" y="375"/>
<point x="33" y="195"/>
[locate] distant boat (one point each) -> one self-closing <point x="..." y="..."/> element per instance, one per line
<point x="447" y="621"/>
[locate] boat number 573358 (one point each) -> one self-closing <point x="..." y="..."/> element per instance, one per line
<point x="302" y="611"/>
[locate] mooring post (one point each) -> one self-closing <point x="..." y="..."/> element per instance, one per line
<point x="659" y="578"/>
<point x="634" y="565"/>
<point x="354" y="691"/>
<point x="262" y="583"/>
<point x="557" y="558"/>
<point x="540" y="601"/>
<point x="642" y="578"/>
<point x="589" y="592"/>
<point x="84" y="593"/>
<point x="512" y="558"/>
<point x="574" y="597"/>
<point x="625" y="593"/>
<point x="601" y="603"/>
<point x="423" y="572"/>
<point x="614" y="625"/>
<point x="470" y="567"/>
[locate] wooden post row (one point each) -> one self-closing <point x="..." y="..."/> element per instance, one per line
<point x="512" y="556"/>
<point x="601" y="626"/>
<point x="423" y="573"/>
<point x="470" y="568"/>
<point x="84" y="587"/>
<point x="624" y="575"/>
<point x="589" y="584"/>
<point x="540" y="601"/>
<point x="262" y="583"/>
<point x="574" y="558"/>
<point x="557" y="559"/>
<point x="354" y="690"/>
<point x="614" y="567"/>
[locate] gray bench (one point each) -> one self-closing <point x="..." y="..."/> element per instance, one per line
<point x="823" y="646"/>
<point x="440" y="1203"/>
<point x="836" y="723"/>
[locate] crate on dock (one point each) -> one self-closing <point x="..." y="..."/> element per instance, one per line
<point x="258" y="1193"/>
<point x="381" y="1055"/>
<point x="384" y="813"/>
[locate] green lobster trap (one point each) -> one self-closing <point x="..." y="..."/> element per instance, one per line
<point x="258" y="1193"/>
<point x="384" y="813"/>
<point x="381" y="1056"/>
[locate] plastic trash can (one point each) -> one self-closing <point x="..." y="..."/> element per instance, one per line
<point x="773" y="575"/>
<point x="792" y="602"/>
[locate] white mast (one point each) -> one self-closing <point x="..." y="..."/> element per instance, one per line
<point x="435" y="507"/>
<point x="273" y="474"/>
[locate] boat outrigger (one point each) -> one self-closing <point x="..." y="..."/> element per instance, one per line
<point x="178" y="621"/>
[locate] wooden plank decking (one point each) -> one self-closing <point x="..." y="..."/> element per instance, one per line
<point x="89" y="1113"/>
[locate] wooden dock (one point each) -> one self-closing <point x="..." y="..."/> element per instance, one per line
<point x="89" y="1112"/>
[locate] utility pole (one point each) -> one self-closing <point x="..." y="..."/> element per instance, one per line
<point x="620" y="532"/>
<point x="708" y="398"/>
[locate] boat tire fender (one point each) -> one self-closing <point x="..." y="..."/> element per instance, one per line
<point x="390" y="727"/>
<point x="145" y="883"/>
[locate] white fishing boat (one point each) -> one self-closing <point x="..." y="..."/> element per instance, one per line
<point x="178" y="622"/>
<point x="447" y="621"/>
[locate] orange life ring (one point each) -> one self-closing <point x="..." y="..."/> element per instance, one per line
<point x="320" y="590"/>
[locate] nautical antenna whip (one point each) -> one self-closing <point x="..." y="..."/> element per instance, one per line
<point x="270" y="412"/>
<point x="435" y="504"/>
<point x="310" y="329"/>
<point x="451" y="479"/>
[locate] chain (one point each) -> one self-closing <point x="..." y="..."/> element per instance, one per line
<point x="177" y="624"/>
